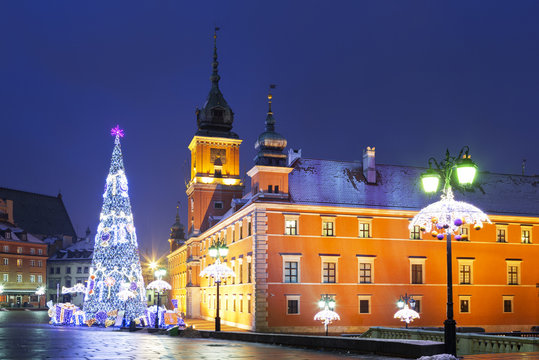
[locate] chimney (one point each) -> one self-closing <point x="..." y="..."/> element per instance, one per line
<point x="293" y="155"/>
<point x="369" y="166"/>
<point x="66" y="241"/>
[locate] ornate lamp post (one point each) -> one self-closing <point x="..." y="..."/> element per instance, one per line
<point x="327" y="315"/>
<point x="158" y="285"/>
<point x="406" y="304"/>
<point x="217" y="271"/>
<point x="39" y="291"/>
<point x="446" y="216"/>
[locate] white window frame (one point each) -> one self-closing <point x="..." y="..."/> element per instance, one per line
<point x="330" y="259"/>
<point x="6" y="261"/>
<point x="40" y="279"/>
<point x="508" y="297"/>
<point x="19" y="278"/>
<point x="466" y="262"/>
<point x="40" y="251"/>
<point x="292" y="258"/>
<point x="288" y="218"/>
<point x="468" y="232"/>
<point x="368" y="260"/>
<point x="420" y="233"/>
<point x="364" y="297"/>
<point x="518" y="264"/>
<point x="6" y="277"/>
<point x="329" y="219"/>
<point x="293" y="297"/>
<point x="420" y="299"/>
<point x="32" y="278"/>
<point x="418" y="261"/>
<point x="526" y="228"/>
<point x="364" y="221"/>
<point x="465" y="297"/>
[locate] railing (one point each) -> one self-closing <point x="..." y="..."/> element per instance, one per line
<point x="467" y="344"/>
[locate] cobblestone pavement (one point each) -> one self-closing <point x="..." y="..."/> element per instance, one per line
<point x="26" y="335"/>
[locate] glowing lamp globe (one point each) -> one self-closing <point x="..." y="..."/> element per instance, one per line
<point x="223" y="251"/>
<point x="430" y="181"/>
<point x="331" y="304"/>
<point x="213" y="251"/>
<point x="321" y="304"/>
<point x="466" y="170"/>
<point x="400" y="304"/>
<point x="412" y="303"/>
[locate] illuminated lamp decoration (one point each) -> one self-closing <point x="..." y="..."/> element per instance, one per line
<point x="115" y="282"/>
<point x="406" y="314"/>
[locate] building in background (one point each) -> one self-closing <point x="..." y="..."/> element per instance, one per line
<point x="23" y="259"/>
<point x="312" y="228"/>
<point x="68" y="266"/>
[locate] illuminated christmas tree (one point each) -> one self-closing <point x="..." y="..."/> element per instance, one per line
<point x="115" y="282"/>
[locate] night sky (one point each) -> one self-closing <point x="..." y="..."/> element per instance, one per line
<point x="411" y="78"/>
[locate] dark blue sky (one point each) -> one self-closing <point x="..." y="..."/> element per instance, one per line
<point x="408" y="77"/>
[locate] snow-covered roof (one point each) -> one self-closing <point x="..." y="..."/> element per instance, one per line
<point x="342" y="183"/>
<point x="81" y="250"/>
<point x="17" y="234"/>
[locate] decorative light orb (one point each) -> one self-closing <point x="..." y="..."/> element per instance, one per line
<point x="446" y="226"/>
<point x="466" y="170"/>
<point x="400" y="303"/>
<point x="331" y="304"/>
<point x="412" y="303"/>
<point x="422" y="228"/>
<point x="434" y="233"/>
<point x="478" y="226"/>
<point x="458" y="222"/>
<point x="430" y="181"/>
<point x="213" y="251"/>
<point x="321" y="304"/>
<point x="440" y="236"/>
<point x="434" y="219"/>
<point x="458" y="237"/>
<point x="463" y="237"/>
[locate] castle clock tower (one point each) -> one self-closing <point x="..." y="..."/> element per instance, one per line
<point x="215" y="159"/>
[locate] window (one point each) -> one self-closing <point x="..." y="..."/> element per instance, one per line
<point x="32" y="278"/>
<point x="241" y="303"/>
<point x="418" y="301"/>
<point x="249" y="228"/>
<point x="5" y="277"/>
<point x="68" y="270"/>
<point x="19" y="277"/>
<point x="507" y="303"/>
<point x="6" y="248"/>
<point x="19" y="262"/>
<point x="241" y="271"/>
<point x="40" y="263"/>
<point x="217" y="204"/>
<point x="51" y="270"/>
<point x="328" y="226"/>
<point x="68" y="281"/>
<point x="32" y="251"/>
<point x="32" y="263"/>
<point x="86" y="269"/>
<point x="526" y="234"/>
<point x="270" y="188"/>
<point x="40" y="251"/>
<point x="248" y="303"/>
<point x="465" y="270"/>
<point x="464" y="302"/>
<point x="40" y="279"/>
<point x="364" y="302"/>
<point x="19" y="250"/>
<point x="329" y="269"/>
<point x="292" y="304"/>
<point x="276" y="189"/>
<point x="6" y="261"/>
<point x="364" y="229"/>
<point x="512" y="275"/>
<point x="417" y="266"/>
<point x="366" y="269"/>
<point x="8" y="234"/>
<point x="501" y="233"/>
<point x="249" y="271"/>
<point x="291" y="272"/>
<point x="241" y="231"/>
<point x="234" y="302"/>
<point x="79" y="269"/>
<point x="291" y="225"/>
<point x="415" y="233"/>
<point x="465" y="233"/>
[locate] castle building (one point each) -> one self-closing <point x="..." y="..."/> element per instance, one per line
<point x="311" y="228"/>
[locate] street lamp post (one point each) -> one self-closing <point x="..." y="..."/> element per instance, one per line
<point x="447" y="216"/>
<point x="158" y="274"/>
<point x="327" y="315"/>
<point x="406" y="304"/>
<point x="217" y="271"/>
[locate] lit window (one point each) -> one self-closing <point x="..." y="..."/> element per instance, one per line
<point x="19" y="262"/>
<point x="292" y="304"/>
<point x="6" y="278"/>
<point x="328" y="226"/>
<point x="464" y="233"/>
<point x="32" y="251"/>
<point x="464" y="302"/>
<point x="364" y="229"/>
<point x="415" y="233"/>
<point x="465" y="270"/>
<point x="39" y="263"/>
<point x="291" y="226"/>
<point x="19" y="250"/>
<point x="513" y="271"/>
<point x="40" y="279"/>
<point x="6" y="248"/>
<point x="32" y="278"/>
<point x="19" y="277"/>
<point x="329" y="268"/>
<point x="249" y="270"/>
<point x="6" y="261"/>
<point x="248" y="303"/>
<point x="526" y="234"/>
<point x="32" y="263"/>
<point x="366" y="269"/>
<point x="364" y="303"/>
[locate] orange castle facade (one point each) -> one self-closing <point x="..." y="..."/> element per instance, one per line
<point x="310" y="228"/>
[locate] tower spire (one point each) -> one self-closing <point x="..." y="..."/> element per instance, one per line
<point x="215" y="64"/>
<point x="270" y="121"/>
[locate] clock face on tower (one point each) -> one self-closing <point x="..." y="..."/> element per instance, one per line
<point x="218" y="154"/>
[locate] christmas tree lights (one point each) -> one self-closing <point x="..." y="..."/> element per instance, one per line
<point x="115" y="283"/>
